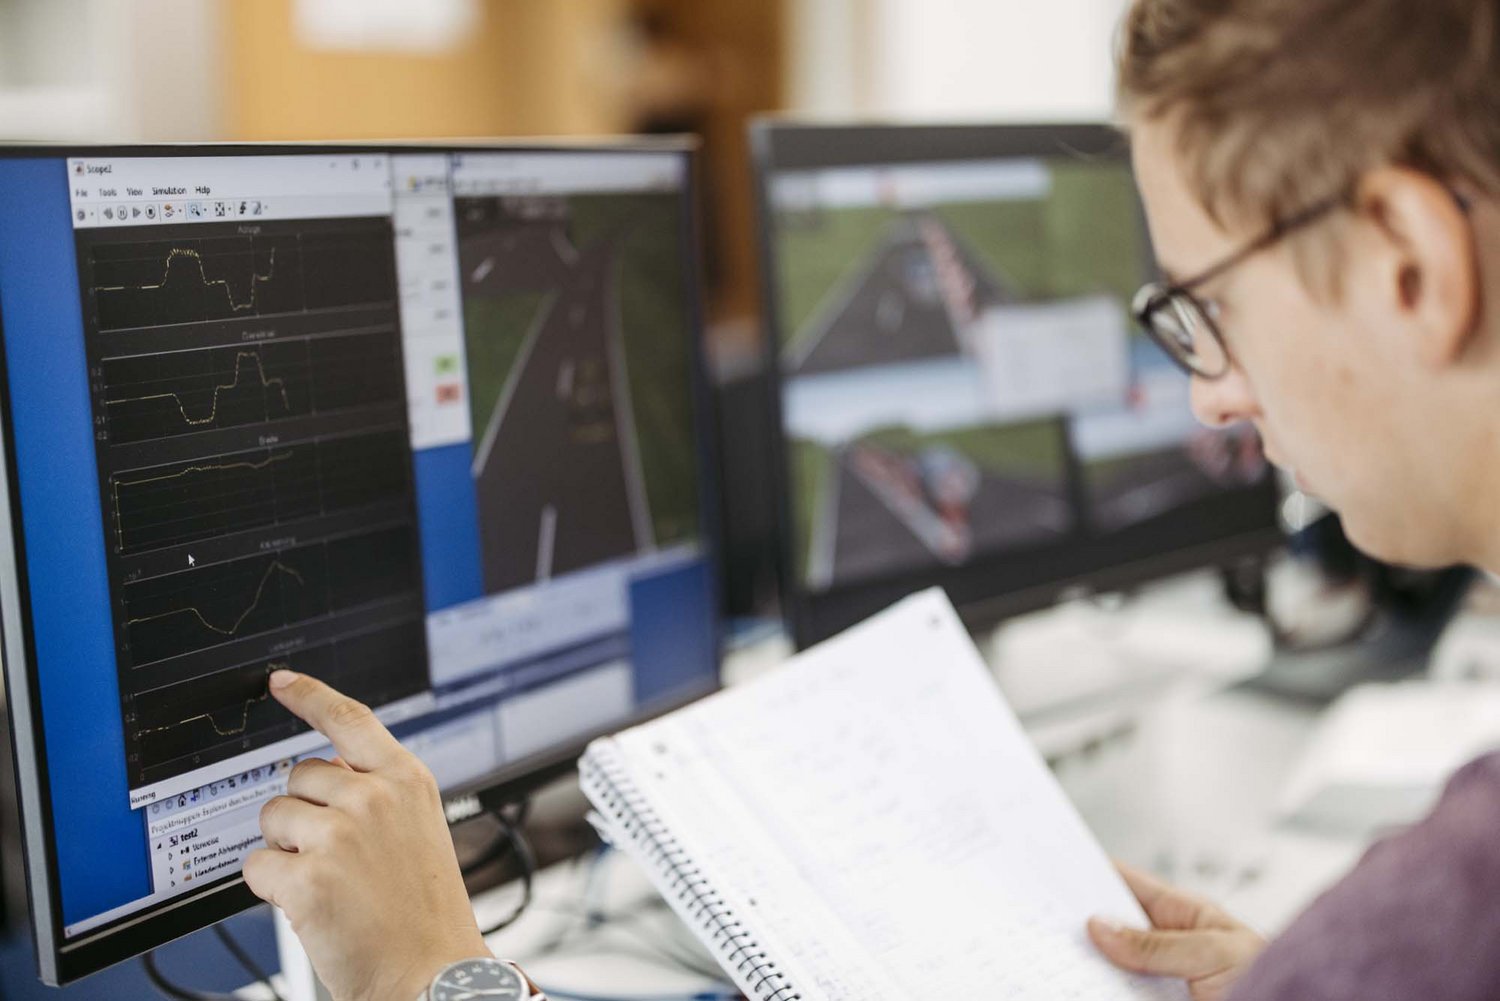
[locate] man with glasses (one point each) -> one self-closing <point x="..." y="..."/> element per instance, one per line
<point x="1320" y="178"/>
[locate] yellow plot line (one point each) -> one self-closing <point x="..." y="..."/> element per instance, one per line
<point x="255" y="603"/>
<point x="214" y="410"/>
<point x="115" y="484"/>
<point x="256" y="280"/>
<point x="233" y="731"/>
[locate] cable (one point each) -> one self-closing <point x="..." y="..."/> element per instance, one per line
<point x="171" y="990"/>
<point x="520" y="850"/>
<point x="246" y="961"/>
<point x="179" y="993"/>
<point x="498" y="849"/>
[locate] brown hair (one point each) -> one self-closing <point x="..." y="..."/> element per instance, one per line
<point x="1280" y="103"/>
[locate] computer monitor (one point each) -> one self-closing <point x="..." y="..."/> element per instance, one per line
<point x="959" y="394"/>
<point x="425" y="423"/>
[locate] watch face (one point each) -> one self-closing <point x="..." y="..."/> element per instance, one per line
<point x="479" y="980"/>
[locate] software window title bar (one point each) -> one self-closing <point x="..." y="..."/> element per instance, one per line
<point x="171" y="190"/>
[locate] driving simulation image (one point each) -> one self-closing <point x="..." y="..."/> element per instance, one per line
<point x="961" y="377"/>
<point x="577" y="349"/>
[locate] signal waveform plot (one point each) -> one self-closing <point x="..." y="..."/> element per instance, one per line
<point x="217" y="603"/>
<point x="234" y="627"/>
<point x="186" y="724"/>
<point x="198" y="720"/>
<point x="211" y="717"/>
<point x="202" y="499"/>
<point x="189" y="254"/>
<point x="211" y="605"/>
<point x="162" y="283"/>
<point x="161" y="395"/>
<point x="156" y="284"/>
<point x="265" y="389"/>
<point x="206" y="498"/>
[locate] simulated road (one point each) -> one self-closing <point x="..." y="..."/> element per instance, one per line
<point x="891" y="309"/>
<point x="872" y="526"/>
<point x="558" y="481"/>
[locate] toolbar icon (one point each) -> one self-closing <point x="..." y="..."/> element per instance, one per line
<point x="150" y="213"/>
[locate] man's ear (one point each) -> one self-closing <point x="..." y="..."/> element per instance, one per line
<point x="1425" y="269"/>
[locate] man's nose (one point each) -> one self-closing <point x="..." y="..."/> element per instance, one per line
<point x="1220" y="402"/>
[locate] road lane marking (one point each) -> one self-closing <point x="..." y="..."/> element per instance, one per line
<point x="546" y="543"/>
<point x="836" y="302"/>
<point x="630" y="445"/>
<point x="564" y="247"/>
<point x="512" y="380"/>
<point x="890" y="312"/>
<point x="823" y="547"/>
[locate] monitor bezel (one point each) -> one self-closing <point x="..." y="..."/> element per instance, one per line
<point x="61" y="960"/>
<point x="780" y="143"/>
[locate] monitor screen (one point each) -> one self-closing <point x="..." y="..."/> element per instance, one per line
<point x="963" y="397"/>
<point x="423" y="423"/>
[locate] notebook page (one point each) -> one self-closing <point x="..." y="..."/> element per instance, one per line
<point x="727" y="844"/>
<point x="892" y="779"/>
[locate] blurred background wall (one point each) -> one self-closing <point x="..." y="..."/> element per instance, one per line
<point x="151" y="70"/>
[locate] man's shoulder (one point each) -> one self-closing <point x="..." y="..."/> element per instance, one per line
<point x="1470" y="806"/>
<point x="1418" y="917"/>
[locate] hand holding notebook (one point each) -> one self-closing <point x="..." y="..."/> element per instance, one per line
<point x="869" y="823"/>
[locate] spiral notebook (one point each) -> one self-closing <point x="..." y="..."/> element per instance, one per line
<point x="868" y="823"/>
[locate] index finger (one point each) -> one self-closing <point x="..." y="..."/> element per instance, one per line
<point x="1167" y="906"/>
<point x="359" y="738"/>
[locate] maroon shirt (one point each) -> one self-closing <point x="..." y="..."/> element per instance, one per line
<point x="1417" y="920"/>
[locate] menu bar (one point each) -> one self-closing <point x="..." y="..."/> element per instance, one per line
<point x="145" y="191"/>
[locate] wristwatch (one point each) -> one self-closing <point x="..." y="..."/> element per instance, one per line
<point x="481" y="980"/>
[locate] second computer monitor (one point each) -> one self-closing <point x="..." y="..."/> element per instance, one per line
<point x="962" y="397"/>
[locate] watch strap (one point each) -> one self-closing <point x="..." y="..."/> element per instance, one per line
<point x="536" y="992"/>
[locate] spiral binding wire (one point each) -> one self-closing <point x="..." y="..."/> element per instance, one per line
<point x="737" y="948"/>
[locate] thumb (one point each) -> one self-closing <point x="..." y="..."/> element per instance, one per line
<point x="1185" y="954"/>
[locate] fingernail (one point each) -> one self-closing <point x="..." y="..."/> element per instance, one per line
<point x="1108" y="925"/>
<point x="281" y="679"/>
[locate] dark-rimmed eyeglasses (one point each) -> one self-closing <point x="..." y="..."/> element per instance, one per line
<point x="1185" y="326"/>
